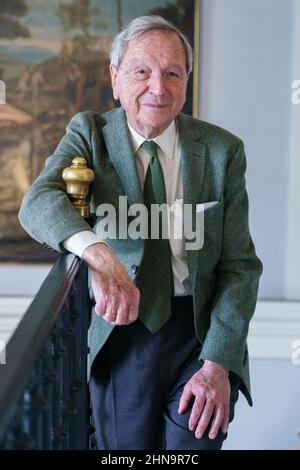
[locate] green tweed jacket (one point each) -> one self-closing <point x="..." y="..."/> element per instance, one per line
<point x="224" y="274"/>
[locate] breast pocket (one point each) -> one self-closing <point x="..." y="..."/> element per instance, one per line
<point x="191" y="226"/>
<point x="205" y="206"/>
<point x="213" y="220"/>
<point x="210" y="207"/>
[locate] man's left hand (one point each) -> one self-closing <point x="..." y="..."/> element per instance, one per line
<point x="211" y="388"/>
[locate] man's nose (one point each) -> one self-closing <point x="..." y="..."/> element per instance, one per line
<point x="157" y="84"/>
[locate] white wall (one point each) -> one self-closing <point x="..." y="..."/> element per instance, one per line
<point x="247" y="65"/>
<point x="22" y="280"/>
<point x="272" y="422"/>
<point x="18" y="286"/>
<point x="246" y="71"/>
<point x="293" y="245"/>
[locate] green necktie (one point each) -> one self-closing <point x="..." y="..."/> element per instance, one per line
<point x="155" y="278"/>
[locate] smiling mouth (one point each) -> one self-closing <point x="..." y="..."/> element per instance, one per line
<point x="154" y="105"/>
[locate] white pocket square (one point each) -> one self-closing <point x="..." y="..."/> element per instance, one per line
<point x="205" y="205"/>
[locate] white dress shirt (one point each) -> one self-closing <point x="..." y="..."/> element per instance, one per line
<point x="169" y="153"/>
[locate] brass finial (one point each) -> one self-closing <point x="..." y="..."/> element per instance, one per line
<point x="78" y="178"/>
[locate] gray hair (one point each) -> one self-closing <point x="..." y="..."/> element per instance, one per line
<point x="141" y="25"/>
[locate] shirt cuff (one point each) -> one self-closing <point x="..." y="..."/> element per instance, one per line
<point x="78" y="242"/>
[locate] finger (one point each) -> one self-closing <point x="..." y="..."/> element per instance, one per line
<point x="100" y="307"/>
<point x="204" y="420"/>
<point x="111" y="309"/>
<point x="122" y="312"/>
<point x="186" y="396"/>
<point x="109" y="318"/>
<point x="217" y="422"/>
<point x="225" y="423"/>
<point x="137" y="296"/>
<point x="134" y="297"/>
<point x="133" y="304"/>
<point x="133" y="314"/>
<point x="197" y="410"/>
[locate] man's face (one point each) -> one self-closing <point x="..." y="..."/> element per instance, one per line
<point x="151" y="81"/>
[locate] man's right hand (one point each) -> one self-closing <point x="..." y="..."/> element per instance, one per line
<point x="117" y="297"/>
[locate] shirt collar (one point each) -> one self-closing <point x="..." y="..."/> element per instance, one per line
<point x="165" y="141"/>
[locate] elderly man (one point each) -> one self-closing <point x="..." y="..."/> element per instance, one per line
<point x="168" y="335"/>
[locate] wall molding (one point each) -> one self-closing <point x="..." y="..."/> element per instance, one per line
<point x="11" y="311"/>
<point x="274" y="327"/>
<point x="14" y="304"/>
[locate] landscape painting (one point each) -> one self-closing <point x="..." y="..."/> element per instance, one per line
<point x="54" y="63"/>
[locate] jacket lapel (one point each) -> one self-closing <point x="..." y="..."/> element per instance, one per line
<point x="192" y="161"/>
<point x="193" y="153"/>
<point x="117" y="140"/>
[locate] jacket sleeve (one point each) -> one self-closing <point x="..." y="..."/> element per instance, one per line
<point x="238" y="273"/>
<point x="46" y="212"/>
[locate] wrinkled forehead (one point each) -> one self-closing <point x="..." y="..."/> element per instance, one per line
<point x="160" y="42"/>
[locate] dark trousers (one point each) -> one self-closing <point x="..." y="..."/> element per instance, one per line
<point x="136" y="383"/>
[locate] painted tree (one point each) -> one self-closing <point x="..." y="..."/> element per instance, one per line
<point x="78" y="14"/>
<point x="10" y="12"/>
<point x="178" y="13"/>
<point x="119" y="14"/>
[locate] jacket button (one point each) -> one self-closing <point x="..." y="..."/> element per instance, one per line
<point x="134" y="269"/>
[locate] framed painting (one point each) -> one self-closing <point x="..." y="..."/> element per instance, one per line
<point x="54" y="63"/>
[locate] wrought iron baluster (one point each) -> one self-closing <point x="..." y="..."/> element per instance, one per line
<point x="44" y="401"/>
<point x="46" y="379"/>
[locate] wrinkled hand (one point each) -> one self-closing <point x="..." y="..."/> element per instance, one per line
<point x="116" y="296"/>
<point x="211" y="388"/>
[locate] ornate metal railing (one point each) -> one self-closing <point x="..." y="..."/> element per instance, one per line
<point x="44" y="401"/>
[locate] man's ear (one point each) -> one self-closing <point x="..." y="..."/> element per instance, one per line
<point x="113" y="76"/>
